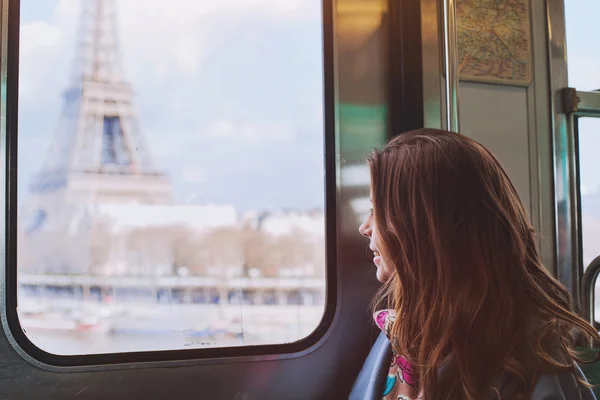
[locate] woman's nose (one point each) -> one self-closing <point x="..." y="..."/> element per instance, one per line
<point x="365" y="229"/>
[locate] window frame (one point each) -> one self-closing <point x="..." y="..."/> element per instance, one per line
<point x="10" y="25"/>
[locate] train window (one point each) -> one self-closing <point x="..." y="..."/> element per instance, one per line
<point x="583" y="63"/>
<point x="588" y="130"/>
<point x="170" y="174"/>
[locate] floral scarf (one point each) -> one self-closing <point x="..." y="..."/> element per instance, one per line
<point x="401" y="382"/>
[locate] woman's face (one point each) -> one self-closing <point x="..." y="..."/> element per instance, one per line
<point x="369" y="229"/>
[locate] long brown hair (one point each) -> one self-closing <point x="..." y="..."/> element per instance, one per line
<point x="470" y="291"/>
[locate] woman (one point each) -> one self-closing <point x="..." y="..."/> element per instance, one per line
<point x="471" y="312"/>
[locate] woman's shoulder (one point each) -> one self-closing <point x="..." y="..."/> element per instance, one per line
<point x="554" y="386"/>
<point x="384" y="320"/>
<point x="563" y="385"/>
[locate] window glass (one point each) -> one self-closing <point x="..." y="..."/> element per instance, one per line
<point x="588" y="133"/>
<point x="171" y="179"/>
<point x="583" y="53"/>
<point x="583" y="56"/>
<point x="589" y="145"/>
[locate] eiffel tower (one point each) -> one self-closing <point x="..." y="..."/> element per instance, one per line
<point x="98" y="154"/>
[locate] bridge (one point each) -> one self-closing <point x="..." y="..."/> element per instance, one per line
<point x="201" y="289"/>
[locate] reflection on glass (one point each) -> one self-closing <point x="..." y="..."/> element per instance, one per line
<point x="173" y="198"/>
<point x="583" y="53"/>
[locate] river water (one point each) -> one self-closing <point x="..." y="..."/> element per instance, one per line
<point x="70" y="327"/>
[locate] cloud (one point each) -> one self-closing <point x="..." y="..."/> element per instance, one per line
<point x="221" y="128"/>
<point x="39" y="34"/>
<point x="38" y="42"/>
<point x="584" y="190"/>
<point x="161" y="151"/>
<point x="183" y="11"/>
<point x="161" y="43"/>
<point x="249" y="131"/>
<point x="583" y="74"/>
<point x="167" y="38"/>
<point x="194" y="174"/>
<point x="179" y="33"/>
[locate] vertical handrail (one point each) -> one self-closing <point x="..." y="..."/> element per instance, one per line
<point x="451" y="64"/>
<point x="588" y="287"/>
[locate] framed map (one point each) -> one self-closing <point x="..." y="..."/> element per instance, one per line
<point x="494" y="41"/>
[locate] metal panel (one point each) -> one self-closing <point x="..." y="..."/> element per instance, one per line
<point x="540" y="138"/>
<point x="588" y="104"/>
<point x="484" y="111"/>
<point x="451" y="65"/>
<point x="565" y="165"/>
<point x="431" y="60"/>
<point x="415" y="96"/>
<point x="405" y="61"/>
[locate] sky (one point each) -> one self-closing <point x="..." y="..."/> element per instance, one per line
<point x="229" y="94"/>
<point x="583" y="55"/>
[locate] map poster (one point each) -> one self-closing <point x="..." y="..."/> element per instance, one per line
<point x="494" y="41"/>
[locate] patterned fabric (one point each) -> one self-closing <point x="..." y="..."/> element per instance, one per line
<point x="401" y="380"/>
<point x="401" y="383"/>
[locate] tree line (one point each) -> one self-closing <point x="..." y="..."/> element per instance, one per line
<point x="232" y="251"/>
